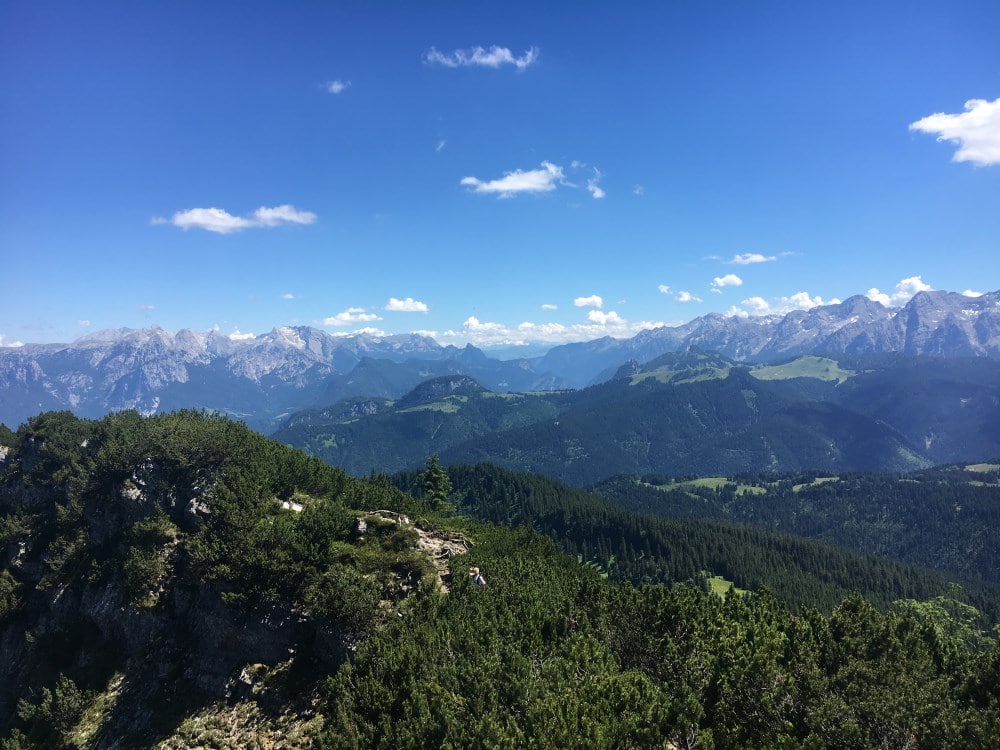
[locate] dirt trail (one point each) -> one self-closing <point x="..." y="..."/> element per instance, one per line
<point x="441" y="546"/>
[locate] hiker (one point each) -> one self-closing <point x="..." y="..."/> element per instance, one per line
<point x="477" y="578"/>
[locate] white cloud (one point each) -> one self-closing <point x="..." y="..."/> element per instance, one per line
<point x="10" y="344"/>
<point x="905" y="289"/>
<point x="605" y="318"/>
<point x="473" y="323"/>
<point x="286" y="214"/>
<point x="548" y="306"/>
<point x="519" y="181"/>
<point x="350" y="316"/>
<point x="494" y="57"/>
<point x="365" y="331"/>
<point x="548" y="331"/>
<point x="487" y="333"/>
<point x="730" y="279"/>
<point x="545" y="179"/>
<point x="876" y="296"/>
<point x="337" y="87"/>
<point x="594" y="300"/>
<point x="288" y="295"/>
<point x="687" y="297"/>
<point x="802" y="301"/>
<point x="440" y="145"/>
<point x="638" y="190"/>
<point x="745" y="259"/>
<point x="970" y="293"/>
<point x="976" y="131"/>
<point x="757" y="305"/>
<point x="405" y="305"/>
<point x="237" y="336"/>
<point x="210" y="219"/>
<point x="664" y="289"/>
<point x="222" y="222"/>
<point x="83" y="323"/>
<point x="592" y="186"/>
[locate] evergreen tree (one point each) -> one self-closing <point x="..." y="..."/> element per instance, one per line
<point x="437" y="485"/>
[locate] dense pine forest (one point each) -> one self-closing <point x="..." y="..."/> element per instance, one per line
<point x="946" y="518"/>
<point x="643" y="548"/>
<point x="181" y="581"/>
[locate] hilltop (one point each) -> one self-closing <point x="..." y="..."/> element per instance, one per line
<point x="179" y="581"/>
<point x="689" y="412"/>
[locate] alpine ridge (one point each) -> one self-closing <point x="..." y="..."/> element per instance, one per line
<point x="264" y="379"/>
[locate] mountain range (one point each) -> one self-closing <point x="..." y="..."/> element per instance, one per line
<point x="682" y="413"/>
<point x="263" y="380"/>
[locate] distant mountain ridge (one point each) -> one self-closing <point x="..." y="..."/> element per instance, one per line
<point x="264" y="379"/>
<point x="153" y="370"/>
<point x="937" y="323"/>
<point x="682" y="413"/>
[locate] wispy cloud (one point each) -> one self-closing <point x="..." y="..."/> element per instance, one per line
<point x="83" y="323"/>
<point x="288" y="295"/>
<point x="337" y="87"/>
<point x="594" y="300"/>
<point x="405" y="305"/>
<point x="592" y="186"/>
<point x="905" y="290"/>
<point x="545" y="179"/>
<point x="730" y="279"/>
<point x="638" y="190"/>
<point x="494" y="57"/>
<point x="548" y="306"/>
<point x="664" y="289"/>
<point x="351" y="316"/>
<point x="976" y="131"/>
<point x="222" y="222"/>
<point x="541" y="180"/>
<point x="745" y="259"/>
<point x="440" y="145"/>
<point x="237" y="336"/>
<point x="683" y="296"/>
<point x="11" y="344"/>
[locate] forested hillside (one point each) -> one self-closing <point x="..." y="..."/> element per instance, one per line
<point x="690" y="412"/>
<point x="180" y="581"/>
<point x="946" y="518"/>
<point x="644" y="548"/>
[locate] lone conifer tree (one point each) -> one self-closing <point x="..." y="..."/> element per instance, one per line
<point x="437" y="485"/>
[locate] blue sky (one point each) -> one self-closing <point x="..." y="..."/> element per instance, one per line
<point x="490" y="172"/>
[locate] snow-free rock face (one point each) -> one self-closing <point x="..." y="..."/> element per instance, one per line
<point x="153" y="370"/>
<point x="262" y="380"/>
<point x="944" y="324"/>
